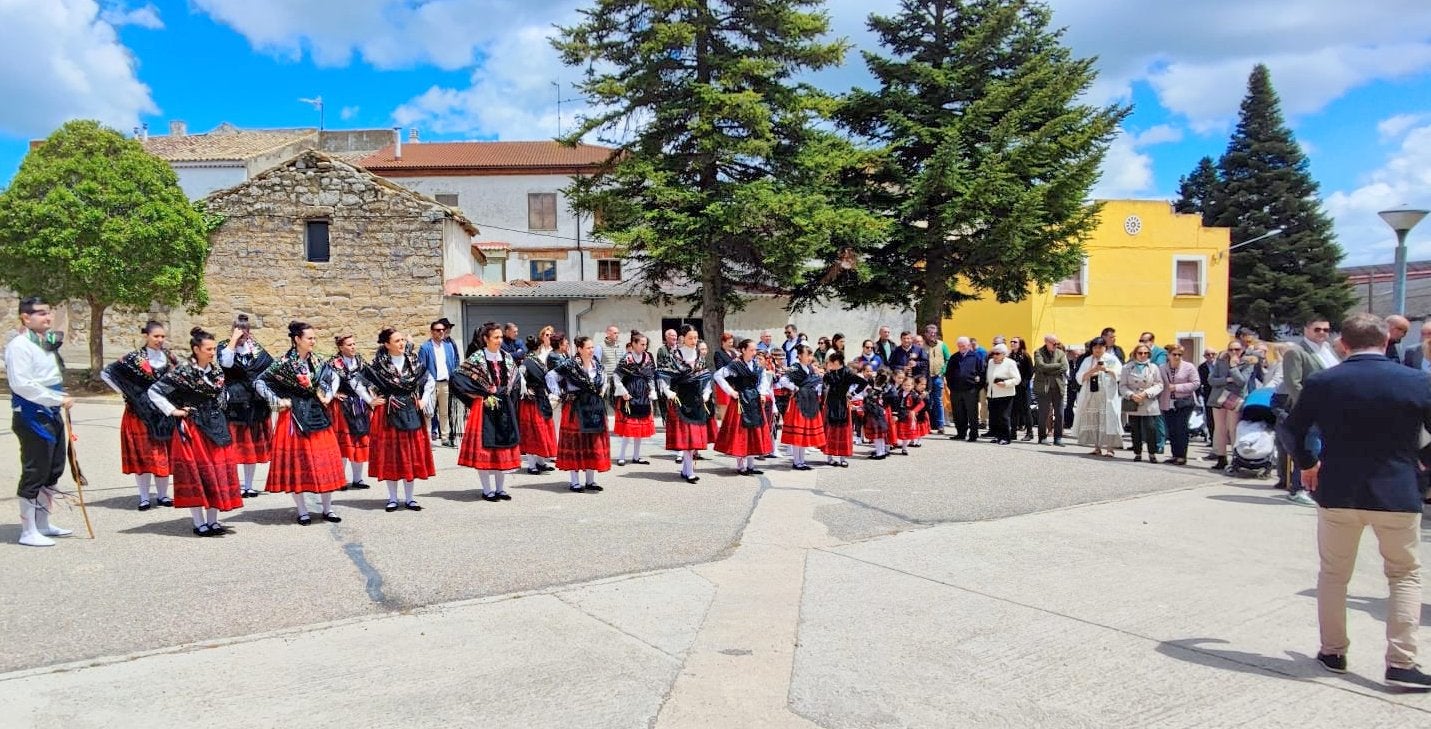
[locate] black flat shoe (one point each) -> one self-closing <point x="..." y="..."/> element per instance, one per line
<point x="201" y="531"/>
<point x="391" y="507"/>
<point x="490" y="497"/>
<point x="755" y="472"/>
<point x="360" y="485"/>
<point x="166" y="501"/>
<point x="412" y="506"/>
<point x="248" y="493"/>
<point x="218" y="530"/>
<point x="692" y="479"/>
<point x="305" y="520"/>
<point x="345" y="487"/>
<point x="843" y="464"/>
<point x="594" y="487"/>
<point x="742" y="472"/>
<point x="504" y="496"/>
<point x="534" y="471"/>
<point x="332" y="518"/>
<point x="800" y="467"/>
<point x="145" y="506"/>
<point x="577" y="489"/>
<point x="640" y="462"/>
<point x="544" y="468"/>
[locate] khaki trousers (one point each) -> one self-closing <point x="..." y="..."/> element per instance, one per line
<point x="443" y="400"/>
<point x="1398" y="536"/>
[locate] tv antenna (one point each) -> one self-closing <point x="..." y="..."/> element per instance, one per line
<point x="560" y="101"/>
<point x="317" y="103"/>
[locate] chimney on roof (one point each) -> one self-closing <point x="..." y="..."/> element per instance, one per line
<point x="397" y="142"/>
<point x="412" y="135"/>
<point x="144" y="131"/>
<point x="178" y="128"/>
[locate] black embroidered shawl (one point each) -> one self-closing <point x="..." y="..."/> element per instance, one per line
<point x="245" y="406"/>
<point x="583" y="392"/>
<point x="491" y="386"/>
<point x="807" y="397"/>
<point x="837" y="394"/>
<point x="401" y="387"/>
<point x="298" y="380"/>
<point x="744" y="378"/>
<point x="688" y="382"/>
<point x="638" y="376"/>
<point x="534" y="373"/>
<point x="134" y="375"/>
<point x="355" y="412"/>
<point x="201" y="392"/>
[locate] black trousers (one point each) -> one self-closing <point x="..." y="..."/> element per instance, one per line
<point x="1050" y="408"/>
<point x="42" y="462"/>
<point x="1000" y="417"/>
<point x="1145" y="432"/>
<point x="966" y="413"/>
<point x="1021" y="418"/>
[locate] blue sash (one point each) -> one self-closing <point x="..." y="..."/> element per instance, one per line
<point x="38" y="417"/>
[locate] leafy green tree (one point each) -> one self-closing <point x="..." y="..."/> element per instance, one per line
<point x="722" y="177"/>
<point x="1195" y="190"/>
<point x="92" y="216"/>
<point x="1264" y="184"/>
<point x="986" y="155"/>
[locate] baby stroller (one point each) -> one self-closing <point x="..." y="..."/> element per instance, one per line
<point x="1255" y="451"/>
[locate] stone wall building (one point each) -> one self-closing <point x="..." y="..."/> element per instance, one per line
<point x="318" y="240"/>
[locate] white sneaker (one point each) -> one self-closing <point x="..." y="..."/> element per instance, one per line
<point x="1301" y="497"/>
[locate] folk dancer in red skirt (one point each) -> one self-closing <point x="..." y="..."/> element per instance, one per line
<point x="351" y="409"/>
<point x="921" y="417"/>
<point x="244" y="361"/>
<point x="145" y="433"/>
<point x="306" y="458"/>
<point x="635" y="391"/>
<point x="534" y="412"/>
<point x="192" y="392"/>
<point x="906" y="428"/>
<point x="583" y="443"/>
<point x="723" y="356"/>
<point x="803" y="427"/>
<point x="744" y="433"/>
<point x="877" y="419"/>
<point x="489" y="383"/>
<point x="686" y="384"/>
<point x="403" y="393"/>
<point x="840" y="384"/>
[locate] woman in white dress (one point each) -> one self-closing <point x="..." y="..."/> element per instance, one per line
<point x="1098" y="417"/>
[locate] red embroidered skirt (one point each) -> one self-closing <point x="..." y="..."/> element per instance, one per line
<point x="399" y="455"/>
<point x="684" y="436"/>
<point x="921" y="427"/>
<point x="353" y="447"/>
<point x="736" y="439"/>
<point x="876" y="427"/>
<point x="800" y="431"/>
<point x="308" y="463"/>
<point x="578" y="451"/>
<point x="537" y="432"/>
<point x="204" y="474"/>
<point x="905" y="430"/>
<point x="252" y="443"/>
<point x="839" y="439"/>
<point x="629" y="427"/>
<point x="138" y="453"/>
<point x="474" y="455"/>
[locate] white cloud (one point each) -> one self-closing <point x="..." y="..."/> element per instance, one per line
<point x="348" y="112"/>
<point x="1404" y="179"/>
<point x="146" y="16"/>
<point x="1127" y="169"/>
<point x="1391" y="128"/>
<point x="74" y="66"/>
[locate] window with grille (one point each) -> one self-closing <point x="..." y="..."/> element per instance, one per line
<point x="608" y="270"/>
<point x="541" y="211"/>
<point x="315" y="241"/>
<point x="1188" y="279"/>
<point x="1075" y="285"/>
<point x="544" y="270"/>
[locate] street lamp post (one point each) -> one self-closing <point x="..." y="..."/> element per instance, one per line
<point x="1401" y="220"/>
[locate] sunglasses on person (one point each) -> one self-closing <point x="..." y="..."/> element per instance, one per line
<point x="1321" y="330"/>
<point x="1142" y="353"/>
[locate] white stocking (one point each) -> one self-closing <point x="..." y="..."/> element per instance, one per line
<point x="486" y="478"/>
<point x="590" y="475"/>
<point x="301" y="504"/>
<point x="622" y="455"/>
<point x="635" y="449"/>
<point x="197" y="515"/>
<point x="392" y="490"/>
<point x="357" y="471"/>
<point x="879" y="446"/>
<point x="499" y="479"/>
<point x="143" y="480"/>
<point x="797" y="454"/>
<point x="407" y="489"/>
<point x="248" y="469"/>
<point x="327" y="500"/>
<point x="575" y="477"/>
<point x="161" y="487"/>
<point x="213" y="516"/>
<point x="688" y="463"/>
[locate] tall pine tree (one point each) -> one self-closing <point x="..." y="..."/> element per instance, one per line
<point x="987" y="154"/>
<point x="1264" y="184"/>
<point x="1196" y="189"/>
<point x="722" y="176"/>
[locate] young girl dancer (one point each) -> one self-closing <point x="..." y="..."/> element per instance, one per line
<point x="840" y="384"/>
<point x="877" y="426"/>
<point x="909" y="406"/>
<point x="145" y="434"/>
<point x="803" y="425"/>
<point x="744" y="433"/>
<point x="686" y="384"/>
<point x="635" y="388"/>
<point x="403" y="392"/>
<point x="534" y="412"/>
<point x="306" y="458"/>
<point x="244" y="360"/>
<point x="351" y="411"/>
<point x="490" y="385"/>
<point x="205" y="482"/>
<point x="583" y="444"/>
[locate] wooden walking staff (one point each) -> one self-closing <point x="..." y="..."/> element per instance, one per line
<point x="75" y="472"/>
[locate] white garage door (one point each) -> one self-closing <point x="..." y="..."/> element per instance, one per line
<point x="529" y="318"/>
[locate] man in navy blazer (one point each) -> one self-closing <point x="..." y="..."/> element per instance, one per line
<point x="1371" y="412"/>
<point x="439" y="355"/>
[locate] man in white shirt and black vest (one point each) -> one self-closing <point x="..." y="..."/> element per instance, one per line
<point x="36" y="375"/>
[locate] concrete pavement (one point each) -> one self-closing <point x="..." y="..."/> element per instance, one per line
<point x="964" y="585"/>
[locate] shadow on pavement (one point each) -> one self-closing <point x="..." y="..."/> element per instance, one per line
<point x="171" y="527"/>
<point x="1373" y="606"/>
<point x="1296" y="666"/>
<point x="1274" y="499"/>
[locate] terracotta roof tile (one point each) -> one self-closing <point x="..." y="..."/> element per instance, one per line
<point x="493" y="156"/>
<point x="224" y="146"/>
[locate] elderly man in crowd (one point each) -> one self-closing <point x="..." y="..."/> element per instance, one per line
<point x="965" y="375"/>
<point x="1309" y="355"/>
<point x="1397" y="327"/>
<point x="1416" y="358"/>
<point x="1050" y="366"/>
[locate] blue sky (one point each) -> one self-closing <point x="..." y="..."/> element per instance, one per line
<point x="1355" y="78"/>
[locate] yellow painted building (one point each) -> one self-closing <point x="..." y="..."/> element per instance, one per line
<point x="1147" y="268"/>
